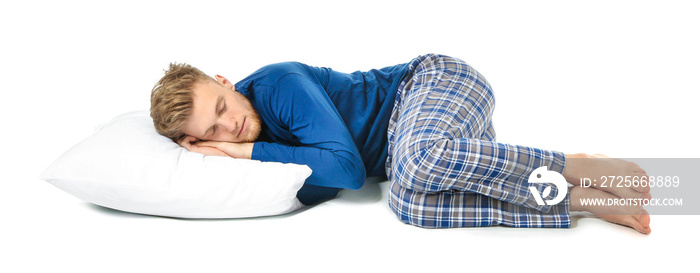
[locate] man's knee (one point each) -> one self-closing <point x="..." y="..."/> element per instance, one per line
<point x="408" y="170"/>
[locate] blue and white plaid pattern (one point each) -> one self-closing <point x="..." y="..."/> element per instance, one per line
<point x="446" y="169"/>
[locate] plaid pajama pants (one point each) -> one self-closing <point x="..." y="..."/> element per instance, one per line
<point x="445" y="167"/>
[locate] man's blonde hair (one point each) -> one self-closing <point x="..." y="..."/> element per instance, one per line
<point x="171" y="99"/>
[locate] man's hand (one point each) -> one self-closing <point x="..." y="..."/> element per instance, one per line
<point x="235" y="150"/>
<point x="190" y="143"/>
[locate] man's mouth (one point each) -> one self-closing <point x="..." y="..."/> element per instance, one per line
<point x="242" y="128"/>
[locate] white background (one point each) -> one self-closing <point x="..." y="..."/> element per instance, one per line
<point x="612" y="77"/>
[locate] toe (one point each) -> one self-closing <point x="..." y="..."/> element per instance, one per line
<point x="642" y="223"/>
<point x="634" y="223"/>
<point x="645" y="219"/>
<point x="642" y="186"/>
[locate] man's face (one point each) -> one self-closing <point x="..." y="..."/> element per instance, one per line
<point x="220" y="113"/>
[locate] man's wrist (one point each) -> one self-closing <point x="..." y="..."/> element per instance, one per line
<point x="248" y="150"/>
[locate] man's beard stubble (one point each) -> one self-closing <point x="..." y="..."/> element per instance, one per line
<point x="254" y="131"/>
<point x="254" y="124"/>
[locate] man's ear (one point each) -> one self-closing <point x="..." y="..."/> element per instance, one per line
<point x="223" y="81"/>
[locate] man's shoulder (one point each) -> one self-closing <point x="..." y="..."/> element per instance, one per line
<point x="277" y="71"/>
<point x="271" y="74"/>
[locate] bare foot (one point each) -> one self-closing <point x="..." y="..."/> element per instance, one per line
<point x="629" y="215"/>
<point x="609" y="174"/>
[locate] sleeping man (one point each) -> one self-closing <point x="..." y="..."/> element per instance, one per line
<point x="425" y="124"/>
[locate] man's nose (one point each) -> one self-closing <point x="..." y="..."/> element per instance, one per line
<point x="230" y="124"/>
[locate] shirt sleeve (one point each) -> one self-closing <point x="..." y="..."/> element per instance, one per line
<point x="325" y="144"/>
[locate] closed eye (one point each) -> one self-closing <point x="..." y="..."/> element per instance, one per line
<point x="223" y="109"/>
<point x="219" y="110"/>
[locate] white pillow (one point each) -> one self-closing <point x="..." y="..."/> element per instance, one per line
<point x="126" y="165"/>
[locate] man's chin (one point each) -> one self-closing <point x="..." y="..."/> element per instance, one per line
<point x="253" y="135"/>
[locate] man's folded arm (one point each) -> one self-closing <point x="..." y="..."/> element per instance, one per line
<point x="331" y="168"/>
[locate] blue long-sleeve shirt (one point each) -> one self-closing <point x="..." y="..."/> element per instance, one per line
<point x="336" y="123"/>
